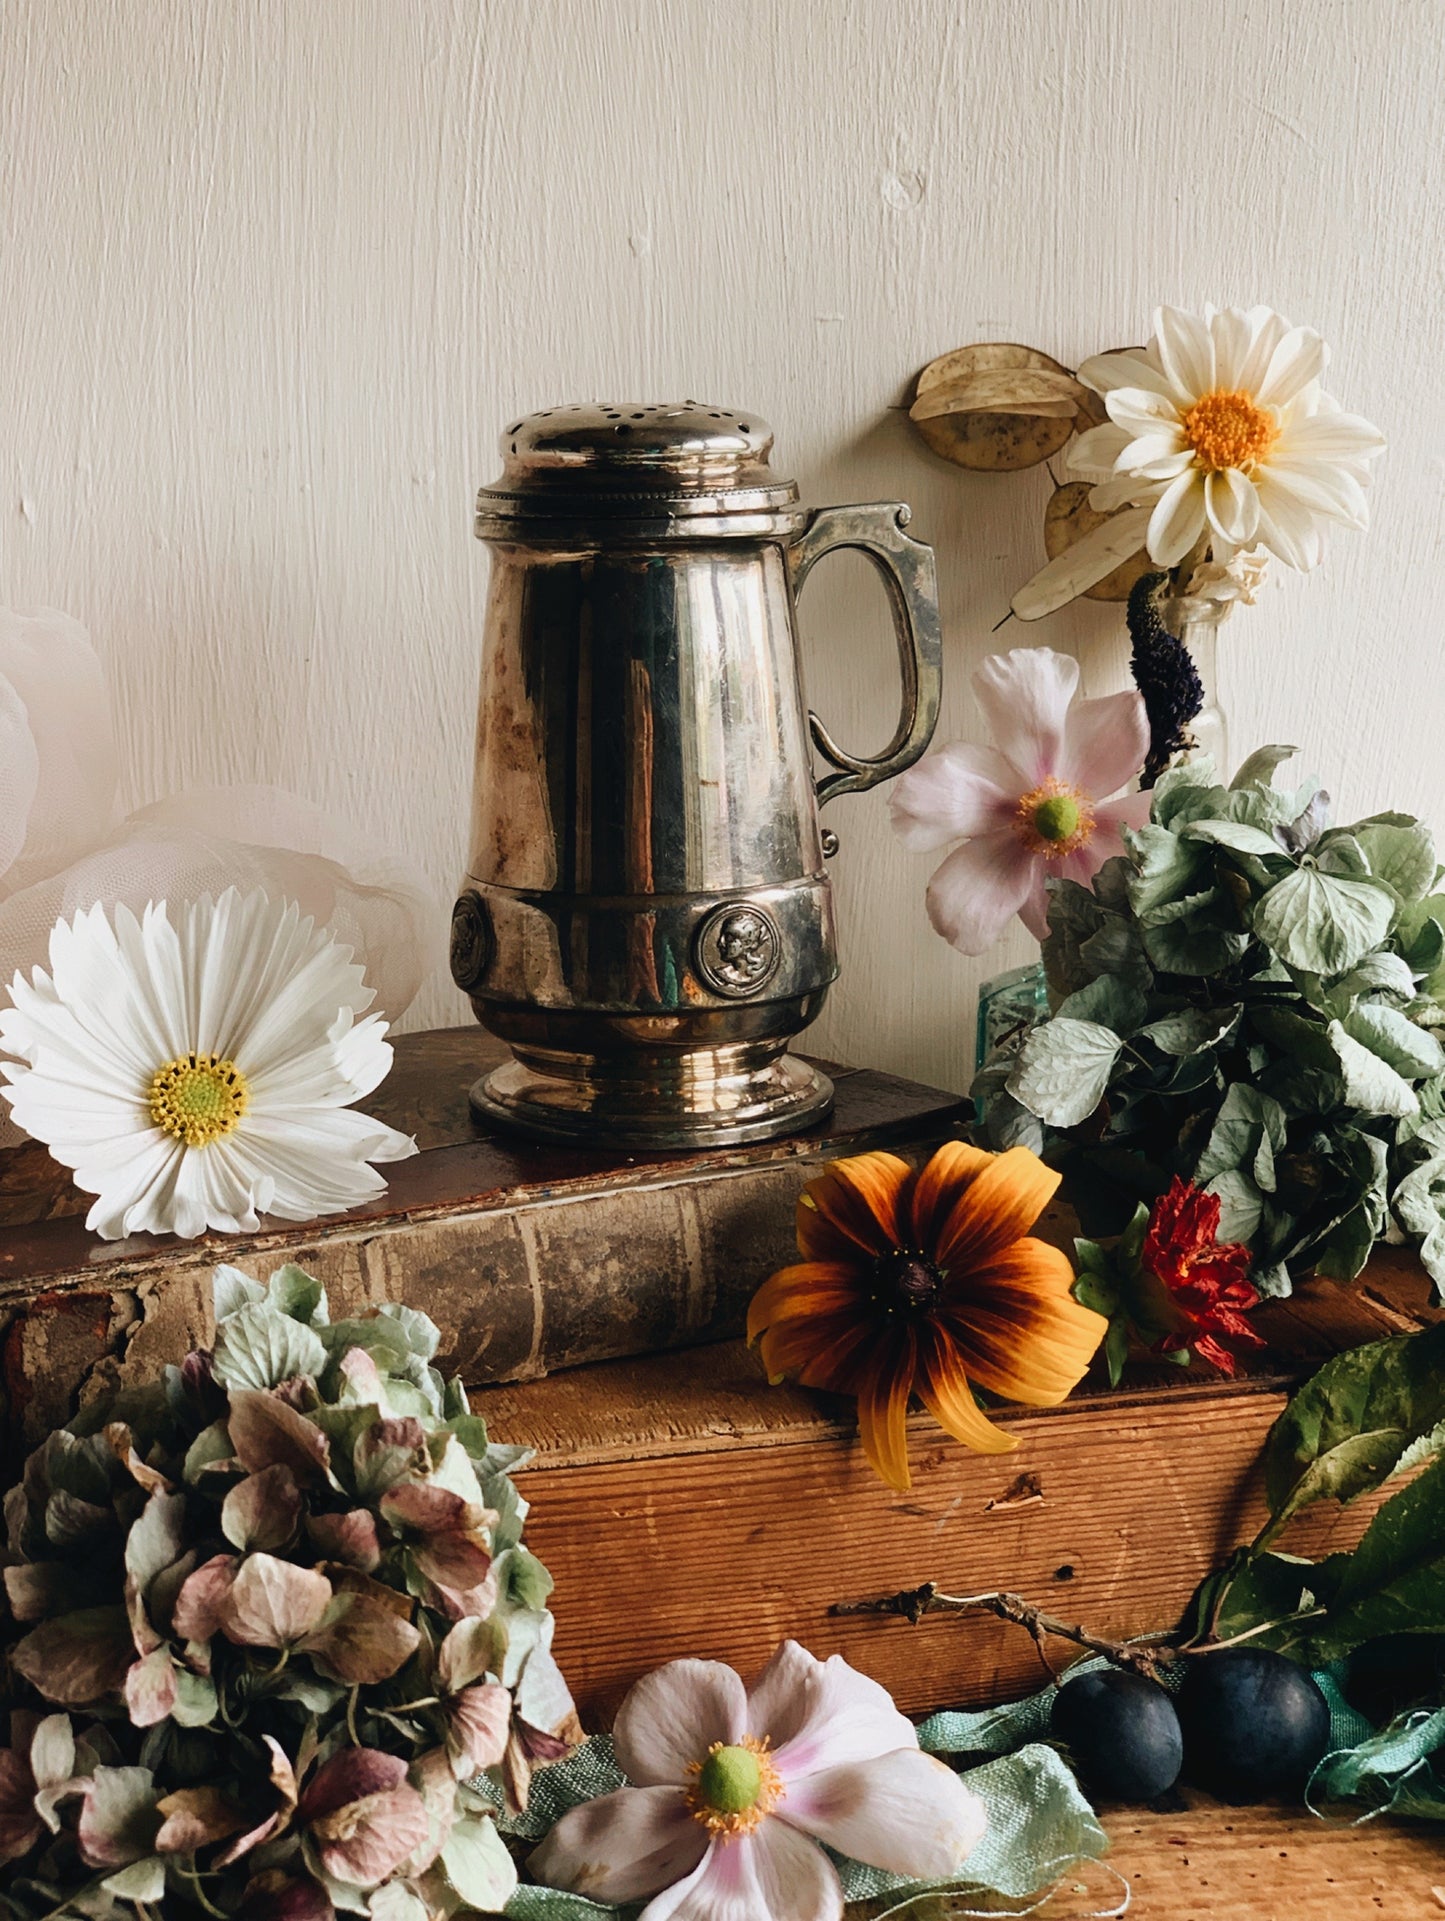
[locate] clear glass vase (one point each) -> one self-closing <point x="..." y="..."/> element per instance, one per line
<point x="1197" y="622"/>
<point x="1009" y="1005"/>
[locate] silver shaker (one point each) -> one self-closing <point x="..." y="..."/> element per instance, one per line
<point x="647" y="920"/>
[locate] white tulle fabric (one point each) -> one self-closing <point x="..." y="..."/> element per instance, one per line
<point x="64" y="845"/>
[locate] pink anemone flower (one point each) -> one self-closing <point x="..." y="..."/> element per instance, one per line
<point x="1033" y="805"/>
<point x="736" y="1787"/>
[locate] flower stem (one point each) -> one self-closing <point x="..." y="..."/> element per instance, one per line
<point x="193" y="1875"/>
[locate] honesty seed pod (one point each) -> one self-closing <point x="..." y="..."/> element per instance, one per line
<point x="1067" y="518"/>
<point x="997" y="407"/>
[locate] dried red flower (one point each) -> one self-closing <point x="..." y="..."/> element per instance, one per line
<point x="1207" y="1279"/>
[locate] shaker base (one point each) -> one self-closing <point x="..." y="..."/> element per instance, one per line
<point x="710" y="1099"/>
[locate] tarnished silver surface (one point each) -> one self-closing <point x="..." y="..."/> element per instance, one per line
<point x="647" y="920"/>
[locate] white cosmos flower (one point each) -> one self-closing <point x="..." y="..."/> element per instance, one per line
<point x="1218" y="432"/>
<point x="195" y="1074"/>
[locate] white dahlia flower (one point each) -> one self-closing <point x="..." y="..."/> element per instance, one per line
<point x="1219" y="438"/>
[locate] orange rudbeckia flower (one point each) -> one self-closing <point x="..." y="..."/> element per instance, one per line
<point x="925" y="1281"/>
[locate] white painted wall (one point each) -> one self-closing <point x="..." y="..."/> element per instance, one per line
<point x="275" y="272"/>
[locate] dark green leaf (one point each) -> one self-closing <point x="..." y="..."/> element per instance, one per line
<point x="1196" y="935"/>
<point x="1394" y="1582"/>
<point x="1345" y="1430"/>
<point x="1409" y="1049"/>
<point x="294" y="1292"/>
<point x="1257" y="1590"/>
<point x="1258" y="769"/>
<point x="1247" y="1120"/>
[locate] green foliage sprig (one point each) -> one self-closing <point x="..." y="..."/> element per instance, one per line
<point x="1250" y="998"/>
<point x="1368" y="1417"/>
<point x="270" y="1621"/>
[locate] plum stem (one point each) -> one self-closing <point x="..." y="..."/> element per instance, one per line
<point x="1145" y="1653"/>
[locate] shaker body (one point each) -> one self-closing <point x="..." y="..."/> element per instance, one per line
<point x="643" y="773"/>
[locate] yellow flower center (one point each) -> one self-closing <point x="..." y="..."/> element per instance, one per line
<point x="197" y="1098"/>
<point x="736" y="1786"/>
<point x="1055" y="820"/>
<point x="1228" y="430"/>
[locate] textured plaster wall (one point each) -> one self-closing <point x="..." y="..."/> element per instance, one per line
<point x="276" y="271"/>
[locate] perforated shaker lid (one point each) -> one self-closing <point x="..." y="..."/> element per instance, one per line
<point x="687" y="469"/>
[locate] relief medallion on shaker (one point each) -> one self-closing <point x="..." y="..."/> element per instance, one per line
<point x="471" y="940"/>
<point x="737" y="949"/>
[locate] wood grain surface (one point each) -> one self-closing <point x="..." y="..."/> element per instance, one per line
<point x="1211" y="1863"/>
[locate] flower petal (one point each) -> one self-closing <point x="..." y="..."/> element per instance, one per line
<point x="1025" y="697"/>
<point x="1244" y="343"/>
<point x="1112" y="494"/>
<point x="1231" y="502"/>
<point x="1143" y="414"/>
<point x="1130" y="810"/>
<point x="885" y="1383"/>
<point x="1097" y="451"/>
<point x="1296" y="363"/>
<point x="1019" y="1331"/>
<point x="906" y="1812"/>
<point x="1286" y="527"/>
<point x="1130" y="367"/>
<point x="1177" y="520"/>
<point x="672" y="1717"/>
<point x="945" y="1390"/>
<point x="823" y="1714"/>
<point x="1331" y="435"/>
<point x="976" y="892"/>
<point x="1185" y="348"/>
<point x="1001" y="1203"/>
<point x="935" y="1191"/>
<point x="960" y="790"/>
<point x="1329" y="491"/>
<point x="822" y="1351"/>
<point x="852" y="1206"/>
<point x="812" y="1287"/>
<point x="1105" y="743"/>
<point x="622" y="1847"/>
<point x="785" y="1697"/>
<point x="772" y="1875"/>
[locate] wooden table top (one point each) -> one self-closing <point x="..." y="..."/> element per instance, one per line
<point x="1211" y="1863"/>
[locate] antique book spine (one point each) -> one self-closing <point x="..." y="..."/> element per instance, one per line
<point x="528" y="1258"/>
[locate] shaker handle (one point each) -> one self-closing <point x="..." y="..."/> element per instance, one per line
<point x="911" y="579"/>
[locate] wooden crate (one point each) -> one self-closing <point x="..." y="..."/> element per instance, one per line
<point x="685" y="1507"/>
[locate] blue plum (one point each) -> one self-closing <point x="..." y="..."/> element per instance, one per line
<point x="1121" y="1733"/>
<point x="1254" y="1724"/>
